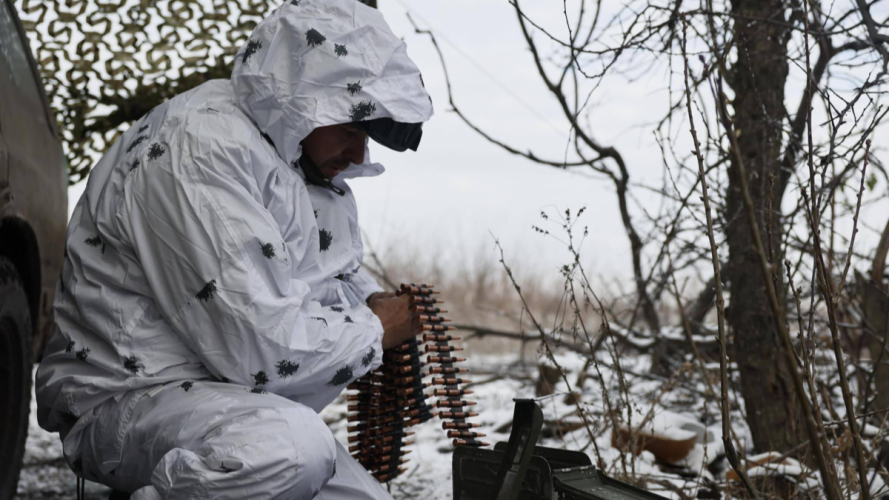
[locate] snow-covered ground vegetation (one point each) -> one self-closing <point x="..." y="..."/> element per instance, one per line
<point x="645" y="406"/>
<point x="674" y="409"/>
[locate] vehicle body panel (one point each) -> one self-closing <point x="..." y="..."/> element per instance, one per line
<point x="33" y="177"/>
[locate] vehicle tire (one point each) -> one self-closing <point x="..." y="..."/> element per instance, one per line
<point x="15" y="375"/>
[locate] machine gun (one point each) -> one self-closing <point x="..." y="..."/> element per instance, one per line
<point x="520" y="470"/>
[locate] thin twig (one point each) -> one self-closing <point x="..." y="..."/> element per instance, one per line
<point x="807" y="363"/>
<point x="730" y="451"/>
<point x="827" y="285"/>
<point x="831" y="488"/>
<point x="855" y="220"/>
<point x="862" y="416"/>
<point x="540" y="330"/>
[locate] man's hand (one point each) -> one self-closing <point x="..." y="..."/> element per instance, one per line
<point x="399" y="322"/>
<point x="379" y="295"/>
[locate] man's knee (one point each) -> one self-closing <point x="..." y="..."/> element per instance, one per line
<point x="285" y="452"/>
<point x="311" y="443"/>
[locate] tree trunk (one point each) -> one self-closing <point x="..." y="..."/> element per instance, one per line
<point x="875" y="302"/>
<point x="875" y="299"/>
<point x="757" y="79"/>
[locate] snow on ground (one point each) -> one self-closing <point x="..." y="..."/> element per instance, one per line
<point x="429" y="471"/>
<point x="679" y="407"/>
<point x="47" y="476"/>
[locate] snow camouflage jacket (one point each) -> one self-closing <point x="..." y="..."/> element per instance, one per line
<point x="199" y="252"/>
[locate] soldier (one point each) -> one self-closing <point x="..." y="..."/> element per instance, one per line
<point x="212" y="299"/>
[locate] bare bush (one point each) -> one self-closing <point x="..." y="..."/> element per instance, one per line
<point x="788" y="166"/>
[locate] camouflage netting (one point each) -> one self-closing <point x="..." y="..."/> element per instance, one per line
<point x="106" y="63"/>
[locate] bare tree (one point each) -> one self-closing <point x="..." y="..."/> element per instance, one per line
<point x="759" y="159"/>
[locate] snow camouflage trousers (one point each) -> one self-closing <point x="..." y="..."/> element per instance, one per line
<point x="211" y="440"/>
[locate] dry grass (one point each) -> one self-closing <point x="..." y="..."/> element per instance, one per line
<point x="477" y="291"/>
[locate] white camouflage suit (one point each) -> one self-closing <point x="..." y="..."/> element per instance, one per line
<point x="212" y="301"/>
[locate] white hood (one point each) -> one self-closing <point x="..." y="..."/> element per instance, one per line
<point x="314" y="63"/>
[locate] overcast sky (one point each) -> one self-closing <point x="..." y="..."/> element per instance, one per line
<point x="475" y="188"/>
<point x="450" y="197"/>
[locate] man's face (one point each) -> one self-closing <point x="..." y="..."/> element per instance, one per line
<point x="334" y="147"/>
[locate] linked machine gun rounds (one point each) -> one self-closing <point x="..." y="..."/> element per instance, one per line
<point x="386" y="402"/>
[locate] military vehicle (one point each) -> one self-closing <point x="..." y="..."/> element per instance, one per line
<point x="33" y="216"/>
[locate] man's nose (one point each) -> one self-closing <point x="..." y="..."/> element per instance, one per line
<point x="355" y="150"/>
